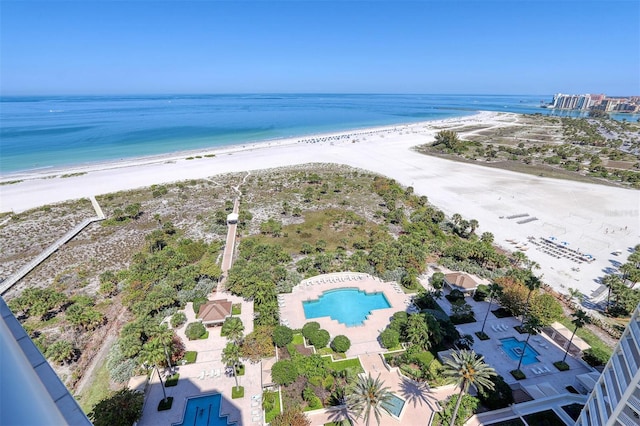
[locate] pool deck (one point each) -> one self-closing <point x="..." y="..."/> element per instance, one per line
<point x="196" y="379"/>
<point x="292" y="312"/>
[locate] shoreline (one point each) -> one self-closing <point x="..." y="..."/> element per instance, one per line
<point x="594" y="219"/>
<point x="54" y="171"/>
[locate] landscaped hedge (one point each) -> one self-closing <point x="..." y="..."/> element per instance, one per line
<point x="282" y="336"/>
<point x="195" y="330"/>
<point x="310" y="328"/>
<point x="284" y="372"/>
<point x="178" y="319"/>
<point x="320" y="339"/>
<point x="481" y="293"/>
<point x="389" y="338"/>
<point x="341" y="344"/>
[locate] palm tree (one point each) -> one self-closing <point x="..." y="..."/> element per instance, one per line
<point x="466" y="368"/>
<point x="530" y="325"/>
<point x="611" y="281"/>
<point x="231" y="358"/>
<point x="234" y="329"/>
<point x="580" y="319"/>
<point x="494" y="292"/>
<point x="532" y="282"/>
<point x="152" y="354"/>
<point x="368" y="394"/>
<point x="164" y="336"/>
<point x="417" y="331"/>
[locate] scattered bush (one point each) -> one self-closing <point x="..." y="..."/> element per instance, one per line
<point x="389" y="338"/>
<point x="595" y="357"/>
<point x="284" y="372"/>
<point x="468" y="406"/>
<point x="282" y="336"/>
<point x="178" y="319"/>
<point x="197" y="303"/>
<point x="481" y="293"/>
<point x="320" y="339"/>
<point x="455" y="296"/>
<point x="437" y="280"/>
<point x="120" y="408"/>
<point x="518" y="375"/>
<point x="341" y="344"/>
<point x="172" y="380"/>
<point x="237" y="392"/>
<point x="165" y="405"/>
<point x="195" y="330"/>
<point x="310" y="328"/>
<point x="500" y="397"/>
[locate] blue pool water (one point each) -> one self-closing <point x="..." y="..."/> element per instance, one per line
<point x="348" y="306"/>
<point x="513" y="347"/>
<point x="394" y="405"/>
<point x="203" y="411"/>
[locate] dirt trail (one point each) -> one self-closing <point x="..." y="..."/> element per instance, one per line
<point x="106" y="342"/>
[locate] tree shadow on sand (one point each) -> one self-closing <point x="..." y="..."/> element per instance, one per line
<point x="418" y="393"/>
<point x="341" y="416"/>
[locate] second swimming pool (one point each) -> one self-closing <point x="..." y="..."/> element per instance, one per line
<point x="349" y="306"/>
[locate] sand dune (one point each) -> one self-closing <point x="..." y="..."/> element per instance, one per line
<point x="593" y="218"/>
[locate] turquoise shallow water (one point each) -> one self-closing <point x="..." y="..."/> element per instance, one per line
<point x="46" y="132"/>
<point x="394" y="405"/>
<point x="348" y="306"/>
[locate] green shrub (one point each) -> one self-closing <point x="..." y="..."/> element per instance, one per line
<point x="268" y="400"/>
<point x="468" y="406"/>
<point x="481" y="293"/>
<point x="172" y="381"/>
<point x="284" y="372"/>
<point x="437" y="280"/>
<point x="310" y="328"/>
<point x="282" y="336"/>
<point x="165" y="405"/>
<point x="341" y="344"/>
<point x="320" y="338"/>
<point x="195" y="330"/>
<point x="178" y="319"/>
<point x="454" y="296"/>
<point x="197" y="303"/>
<point x="595" y="357"/>
<point x="518" y="374"/>
<point x="561" y="365"/>
<point x="500" y="397"/>
<point x="482" y="335"/>
<point x="389" y="338"/>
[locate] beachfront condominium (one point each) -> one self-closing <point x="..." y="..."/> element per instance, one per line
<point x="615" y="400"/>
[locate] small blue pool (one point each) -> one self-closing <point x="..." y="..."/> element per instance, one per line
<point x="203" y="411"/>
<point x="394" y="405"/>
<point x="514" y="348"/>
<point x="348" y="306"/>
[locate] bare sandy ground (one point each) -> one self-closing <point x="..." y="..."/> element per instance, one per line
<point x="596" y="219"/>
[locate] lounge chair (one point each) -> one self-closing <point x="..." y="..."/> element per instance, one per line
<point x="201" y="376"/>
<point x="256" y="397"/>
<point x="210" y="374"/>
<point x="504" y="327"/>
<point x="545" y="369"/>
<point x="217" y="372"/>
<point x="493" y="327"/>
<point x="535" y="371"/>
<point x="255" y="403"/>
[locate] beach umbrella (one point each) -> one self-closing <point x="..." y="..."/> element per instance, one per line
<point x="552" y="238"/>
<point x="564" y="243"/>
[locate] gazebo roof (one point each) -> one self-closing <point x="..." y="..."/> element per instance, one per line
<point x="215" y="311"/>
<point x="461" y="281"/>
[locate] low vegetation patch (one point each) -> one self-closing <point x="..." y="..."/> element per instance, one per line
<point x="172" y="380"/>
<point x="482" y="335"/>
<point x="518" y="374"/>
<point x="165" y="404"/>
<point x="270" y="405"/>
<point x="237" y="392"/>
<point x="561" y="365"/>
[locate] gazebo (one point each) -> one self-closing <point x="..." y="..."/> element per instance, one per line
<point x="460" y="281"/>
<point x="214" y="312"/>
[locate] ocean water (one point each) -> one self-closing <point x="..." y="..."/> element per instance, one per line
<point x="51" y="132"/>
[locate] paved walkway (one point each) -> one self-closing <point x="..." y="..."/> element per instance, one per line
<point x="503" y="328"/>
<point x="207" y="375"/>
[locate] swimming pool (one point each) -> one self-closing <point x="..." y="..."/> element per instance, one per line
<point x="203" y="411"/>
<point x="513" y="347"/>
<point x="394" y="405"/>
<point x="349" y="306"/>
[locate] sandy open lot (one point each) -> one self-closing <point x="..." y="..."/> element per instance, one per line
<point x="595" y="219"/>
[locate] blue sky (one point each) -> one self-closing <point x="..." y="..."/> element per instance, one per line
<point x="479" y="47"/>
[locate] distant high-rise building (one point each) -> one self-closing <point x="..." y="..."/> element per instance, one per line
<point x="615" y="400"/>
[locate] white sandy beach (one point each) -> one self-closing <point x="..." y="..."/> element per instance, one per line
<point x="595" y="219"/>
